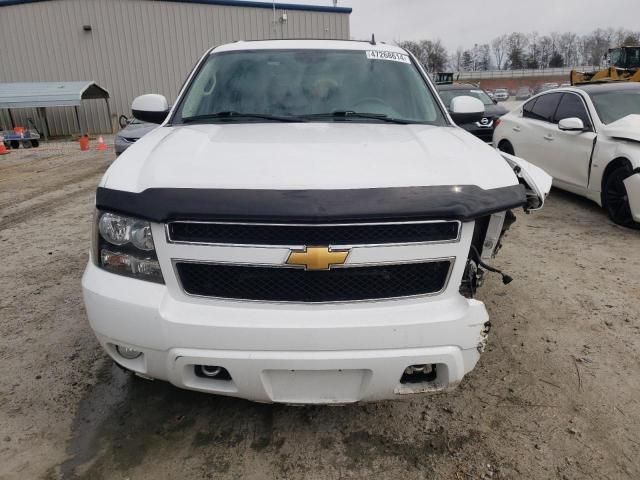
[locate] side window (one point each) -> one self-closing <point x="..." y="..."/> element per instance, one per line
<point x="572" y="106"/>
<point x="528" y="107"/>
<point x="545" y="107"/>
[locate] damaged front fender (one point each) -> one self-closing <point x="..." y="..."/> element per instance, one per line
<point x="632" y="186"/>
<point x="536" y="180"/>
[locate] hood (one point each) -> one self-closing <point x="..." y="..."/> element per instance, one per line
<point x="287" y="156"/>
<point x="627" y="128"/>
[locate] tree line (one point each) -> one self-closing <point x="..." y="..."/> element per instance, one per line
<point x="518" y="51"/>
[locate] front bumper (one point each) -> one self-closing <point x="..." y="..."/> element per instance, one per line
<point x="632" y="185"/>
<point x="484" y="133"/>
<point x="288" y="353"/>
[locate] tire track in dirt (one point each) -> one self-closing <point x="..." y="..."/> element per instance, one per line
<point x="98" y="169"/>
<point x="46" y="206"/>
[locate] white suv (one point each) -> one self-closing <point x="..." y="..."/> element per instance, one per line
<point x="306" y="225"/>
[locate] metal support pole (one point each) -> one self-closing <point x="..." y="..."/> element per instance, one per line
<point x="106" y="100"/>
<point x="78" y="119"/>
<point x="42" y="111"/>
<point x="11" y="119"/>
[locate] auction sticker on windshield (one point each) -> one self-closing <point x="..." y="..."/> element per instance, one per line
<point x="391" y="56"/>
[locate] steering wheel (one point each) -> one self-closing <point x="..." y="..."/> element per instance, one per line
<point x="371" y="100"/>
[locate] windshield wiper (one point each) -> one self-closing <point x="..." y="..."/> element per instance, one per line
<point x="369" y="116"/>
<point x="233" y="115"/>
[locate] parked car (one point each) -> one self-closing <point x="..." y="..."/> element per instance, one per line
<point x="501" y="94"/>
<point x="483" y="128"/>
<point x="296" y="231"/>
<point x="523" y="93"/>
<point x="545" y="87"/>
<point x="588" y="139"/>
<point x="131" y="133"/>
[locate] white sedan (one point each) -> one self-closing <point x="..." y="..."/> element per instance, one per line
<point x="587" y="138"/>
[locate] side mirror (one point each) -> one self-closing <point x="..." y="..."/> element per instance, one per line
<point x="572" y="124"/>
<point x="151" y="108"/>
<point x="466" y="109"/>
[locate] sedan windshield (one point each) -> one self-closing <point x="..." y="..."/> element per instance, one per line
<point x="613" y="105"/>
<point x="308" y="85"/>
<point x="448" y="95"/>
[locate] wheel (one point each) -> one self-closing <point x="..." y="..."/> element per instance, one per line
<point x="15" y="144"/>
<point x="35" y="143"/>
<point x="506" y="147"/>
<point x="615" y="199"/>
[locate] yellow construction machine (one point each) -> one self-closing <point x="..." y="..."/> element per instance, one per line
<point x="624" y="66"/>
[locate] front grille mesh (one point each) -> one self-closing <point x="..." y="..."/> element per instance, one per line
<point x="279" y="284"/>
<point x="288" y="235"/>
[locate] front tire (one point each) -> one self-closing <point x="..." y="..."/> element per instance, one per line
<point x="615" y="199"/>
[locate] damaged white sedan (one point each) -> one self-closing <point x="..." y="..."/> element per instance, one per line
<point x="306" y="225"/>
<point x="588" y="138"/>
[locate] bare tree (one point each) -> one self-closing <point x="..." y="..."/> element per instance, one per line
<point x="518" y="50"/>
<point x="456" y="60"/>
<point x="545" y="50"/>
<point x="498" y="45"/>
<point x="516" y="44"/>
<point x="568" y="48"/>
<point x="467" y="61"/>
<point x="431" y="54"/>
<point x="533" y="54"/>
<point x="484" y="57"/>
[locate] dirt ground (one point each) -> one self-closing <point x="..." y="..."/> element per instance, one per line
<point x="555" y="396"/>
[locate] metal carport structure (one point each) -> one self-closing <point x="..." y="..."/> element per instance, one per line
<point x="40" y="95"/>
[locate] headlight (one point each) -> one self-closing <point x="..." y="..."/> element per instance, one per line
<point x="124" y="245"/>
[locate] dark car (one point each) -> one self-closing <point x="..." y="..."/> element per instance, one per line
<point x="131" y="132"/>
<point x="482" y="129"/>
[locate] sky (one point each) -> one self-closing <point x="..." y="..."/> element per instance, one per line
<point x="462" y="23"/>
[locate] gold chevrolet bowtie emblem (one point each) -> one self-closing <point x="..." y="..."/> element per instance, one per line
<point x="317" y="258"/>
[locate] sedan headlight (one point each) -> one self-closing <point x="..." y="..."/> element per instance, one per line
<point x="124" y="245"/>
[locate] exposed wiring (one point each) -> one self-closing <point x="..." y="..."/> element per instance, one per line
<point x="506" y="279"/>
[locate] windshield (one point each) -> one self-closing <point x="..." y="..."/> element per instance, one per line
<point x="616" y="104"/>
<point x="252" y="86"/>
<point x="448" y="95"/>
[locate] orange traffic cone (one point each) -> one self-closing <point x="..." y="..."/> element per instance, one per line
<point x="3" y="149"/>
<point x="101" y="146"/>
<point x="84" y="143"/>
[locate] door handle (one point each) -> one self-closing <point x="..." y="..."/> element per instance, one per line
<point x="516" y="129"/>
<point x="549" y="137"/>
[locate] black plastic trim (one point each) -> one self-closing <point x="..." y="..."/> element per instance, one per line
<point x="464" y="202"/>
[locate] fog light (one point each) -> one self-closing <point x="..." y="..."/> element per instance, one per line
<point x="128" y="353"/>
<point x="209" y="371"/>
<point x="213" y="372"/>
<point x="419" y="374"/>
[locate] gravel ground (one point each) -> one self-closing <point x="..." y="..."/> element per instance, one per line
<point x="555" y="396"/>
